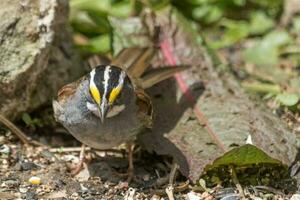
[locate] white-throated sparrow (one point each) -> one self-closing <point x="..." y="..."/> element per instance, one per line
<point x="109" y="106"/>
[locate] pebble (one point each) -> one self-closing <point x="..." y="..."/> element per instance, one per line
<point x="2" y="139"/>
<point x="193" y="196"/>
<point x="23" y="190"/>
<point x="31" y="195"/>
<point x="295" y="197"/>
<point x="4" y="149"/>
<point x="11" y="183"/>
<point x="28" y="166"/>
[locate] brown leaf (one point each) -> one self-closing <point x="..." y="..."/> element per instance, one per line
<point x="201" y="115"/>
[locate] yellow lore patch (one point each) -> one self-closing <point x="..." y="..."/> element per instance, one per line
<point x="96" y="94"/>
<point x="114" y="93"/>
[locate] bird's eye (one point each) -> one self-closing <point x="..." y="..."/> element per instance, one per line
<point x="114" y="94"/>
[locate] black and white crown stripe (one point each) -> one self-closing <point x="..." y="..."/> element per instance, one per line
<point x="106" y="78"/>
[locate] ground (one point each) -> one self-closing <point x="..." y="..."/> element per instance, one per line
<point x="100" y="177"/>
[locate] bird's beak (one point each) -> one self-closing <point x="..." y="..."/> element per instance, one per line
<point x="102" y="112"/>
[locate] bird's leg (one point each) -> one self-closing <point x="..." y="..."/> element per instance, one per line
<point x="130" y="170"/>
<point x="78" y="167"/>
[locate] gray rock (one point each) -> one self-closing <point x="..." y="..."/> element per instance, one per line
<point x="36" y="54"/>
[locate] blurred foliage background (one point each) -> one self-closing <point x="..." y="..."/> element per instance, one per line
<point x="258" y="41"/>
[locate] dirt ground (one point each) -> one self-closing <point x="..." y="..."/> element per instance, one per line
<point x="100" y="178"/>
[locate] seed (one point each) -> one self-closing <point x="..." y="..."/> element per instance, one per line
<point x="34" y="180"/>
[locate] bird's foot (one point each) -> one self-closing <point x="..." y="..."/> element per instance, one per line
<point x="79" y="166"/>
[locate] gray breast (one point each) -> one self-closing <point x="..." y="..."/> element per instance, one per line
<point x="88" y="129"/>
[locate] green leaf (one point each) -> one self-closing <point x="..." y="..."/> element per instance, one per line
<point x="262" y="87"/>
<point x="105" y="7"/>
<point x="277" y="38"/>
<point x="207" y="13"/>
<point x="121" y="9"/>
<point x="199" y="12"/>
<point x="239" y="2"/>
<point x="235" y="31"/>
<point x="288" y="99"/>
<point x="260" y="23"/>
<point x="26" y="119"/>
<point x="268" y="48"/>
<point x="296" y="25"/>
<point x="245" y="155"/>
<point x="91" y="5"/>
<point x="31" y="122"/>
<point x="82" y="22"/>
<point x="100" y="44"/>
<point x="196" y="2"/>
<point x="158" y="4"/>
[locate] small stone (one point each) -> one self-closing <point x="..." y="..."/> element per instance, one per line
<point x="34" y="180"/>
<point x="295" y="197"/>
<point x="2" y="139"/>
<point x="23" y="190"/>
<point x="59" y="183"/>
<point x="74" y="195"/>
<point x="28" y="166"/>
<point x="193" y="196"/>
<point x="4" y="149"/>
<point x="155" y="197"/>
<point x="31" y="195"/>
<point x="17" y="167"/>
<point x="297" y="129"/>
<point x="83" y="175"/>
<point x="12" y="183"/>
<point x="72" y="158"/>
<point x="48" y="155"/>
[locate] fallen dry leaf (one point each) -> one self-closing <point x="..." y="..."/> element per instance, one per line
<point x="203" y="115"/>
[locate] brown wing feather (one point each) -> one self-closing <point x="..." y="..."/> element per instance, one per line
<point x="145" y="107"/>
<point x="142" y="63"/>
<point x="127" y="57"/>
<point x="134" y="60"/>
<point x="159" y="74"/>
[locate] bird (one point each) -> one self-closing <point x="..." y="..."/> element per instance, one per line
<point x="109" y="106"/>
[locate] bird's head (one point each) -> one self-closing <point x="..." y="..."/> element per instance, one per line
<point x="107" y="83"/>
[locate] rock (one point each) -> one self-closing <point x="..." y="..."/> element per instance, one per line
<point x="295" y="197"/>
<point x="25" y="166"/>
<point x="11" y="183"/>
<point x="31" y="195"/>
<point x="4" y="149"/>
<point x="36" y="54"/>
<point x="193" y="196"/>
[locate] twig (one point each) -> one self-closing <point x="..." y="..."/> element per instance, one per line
<point x="237" y="183"/>
<point x="172" y="177"/>
<point x="68" y="149"/>
<point x="173" y="172"/>
<point x="182" y="187"/>
<point x="268" y="189"/>
<point x="78" y="149"/>
<point x="169" y="191"/>
<point x="14" y="129"/>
